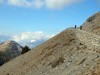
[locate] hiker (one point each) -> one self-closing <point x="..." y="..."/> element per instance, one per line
<point x="80" y="27"/>
<point x="75" y="26"/>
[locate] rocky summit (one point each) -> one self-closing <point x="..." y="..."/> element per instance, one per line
<point x="92" y="24"/>
<point x="71" y="52"/>
<point x="9" y="50"/>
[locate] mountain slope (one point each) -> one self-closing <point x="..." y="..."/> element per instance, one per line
<point x="65" y="54"/>
<point x="92" y="24"/>
<point x="72" y="52"/>
<point x="9" y="50"/>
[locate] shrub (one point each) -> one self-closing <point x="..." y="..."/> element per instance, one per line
<point x="57" y="62"/>
<point x="1" y="59"/>
<point x="25" y="49"/>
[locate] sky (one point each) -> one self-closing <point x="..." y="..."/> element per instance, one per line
<point x="34" y="21"/>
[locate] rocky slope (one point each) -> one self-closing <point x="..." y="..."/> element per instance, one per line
<point x="72" y="52"/>
<point x="9" y="50"/>
<point x="92" y="24"/>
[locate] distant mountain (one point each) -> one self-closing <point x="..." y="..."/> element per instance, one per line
<point x="72" y="52"/>
<point x="9" y="50"/>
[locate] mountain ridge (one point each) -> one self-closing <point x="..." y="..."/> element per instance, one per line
<point x="71" y="52"/>
<point x="92" y="24"/>
<point x="9" y="50"/>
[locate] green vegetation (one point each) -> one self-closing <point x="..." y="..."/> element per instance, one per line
<point x="25" y="49"/>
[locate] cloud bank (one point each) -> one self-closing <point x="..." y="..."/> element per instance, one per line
<point x="30" y="39"/>
<point x="51" y="4"/>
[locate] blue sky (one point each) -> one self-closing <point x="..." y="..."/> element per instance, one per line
<point x="22" y="16"/>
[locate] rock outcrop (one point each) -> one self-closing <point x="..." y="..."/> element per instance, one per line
<point x="92" y="24"/>
<point x="9" y="50"/>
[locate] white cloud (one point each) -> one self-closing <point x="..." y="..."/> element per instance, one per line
<point x="33" y="40"/>
<point x="30" y="39"/>
<point x="24" y="3"/>
<point x="29" y="36"/>
<point x="58" y="4"/>
<point x="51" y="4"/>
<point x="38" y="3"/>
